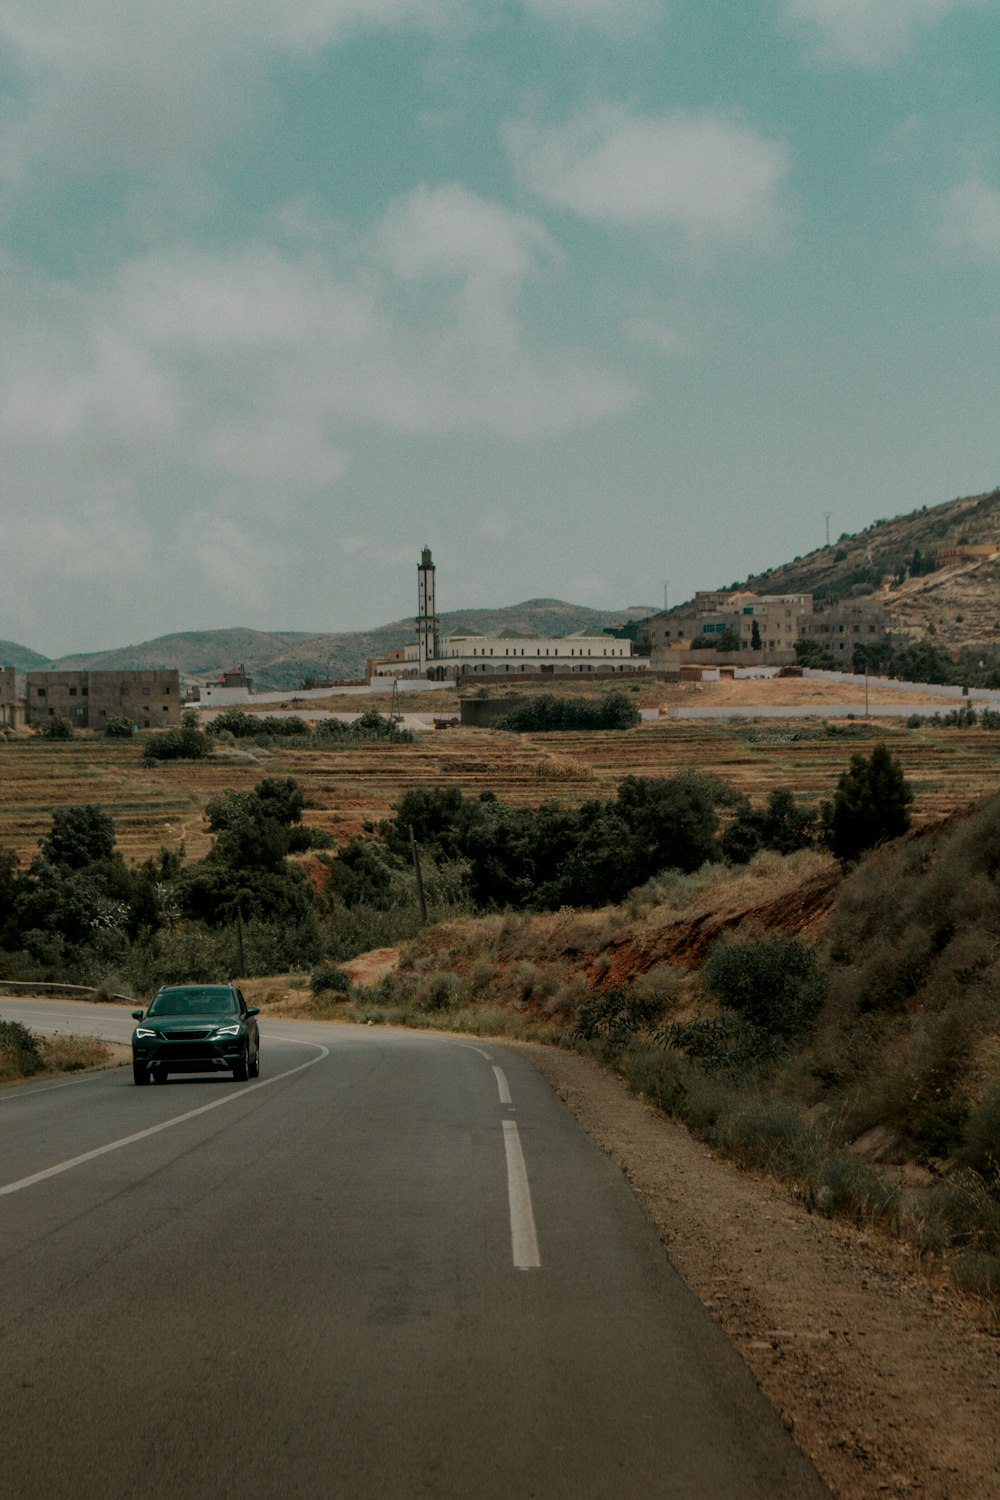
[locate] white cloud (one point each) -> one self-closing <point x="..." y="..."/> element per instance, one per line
<point x="451" y="232"/>
<point x="868" y="32"/>
<point x="284" y="451"/>
<point x="66" y="551"/>
<point x="117" y="83"/>
<point x="230" y="557"/>
<point x="618" y="16"/>
<point x="184" y="385"/>
<point x="970" y="221"/>
<point x="429" y="337"/>
<point x="710" y="177"/>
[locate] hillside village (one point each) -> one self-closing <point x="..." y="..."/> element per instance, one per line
<point x="929" y="576"/>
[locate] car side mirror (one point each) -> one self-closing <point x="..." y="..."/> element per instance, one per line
<point x="137" y="1015"/>
<point x="253" y="1010"/>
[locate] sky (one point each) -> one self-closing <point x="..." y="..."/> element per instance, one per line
<point x="602" y="300"/>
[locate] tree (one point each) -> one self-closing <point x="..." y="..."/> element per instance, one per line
<point x="811" y="654"/>
<point x="755" y="637"/>
<point x="871" y="804"/>
<point x="782" y="824"/>
<point x="79" y="836"/>
<point x="548" y="711"/>
<point x="724" y="640"/>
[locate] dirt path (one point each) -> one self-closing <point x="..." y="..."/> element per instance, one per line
<point x="885" y="1383"/>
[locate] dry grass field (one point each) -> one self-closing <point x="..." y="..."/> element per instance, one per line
<point x="162" y="805"/>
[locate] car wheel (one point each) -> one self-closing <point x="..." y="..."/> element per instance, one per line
<point x="159" y="1075"/>
<point x="139" y="1073"/>
<point x="241" y="1070"/>
<point x="254" y="1068"/>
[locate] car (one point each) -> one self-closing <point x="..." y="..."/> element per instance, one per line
<point x="196" y="1028"/>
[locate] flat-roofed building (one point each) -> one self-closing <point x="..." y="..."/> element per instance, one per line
<point x="778" y="619"/>
<point x="87" y="700"/>
<point x="469" y="653"/>
<point x="841" y="626"/>
<point x="465" y="653"/>
<point x="10" y="711"/>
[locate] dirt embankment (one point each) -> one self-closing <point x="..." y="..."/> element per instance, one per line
<point x="800" y="913"/>
<point x="886" y="1383"/>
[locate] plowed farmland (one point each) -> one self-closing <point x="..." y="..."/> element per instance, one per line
<point x="163" y="805"/>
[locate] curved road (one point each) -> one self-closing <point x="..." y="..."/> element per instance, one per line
<point x="392" y="1267"/>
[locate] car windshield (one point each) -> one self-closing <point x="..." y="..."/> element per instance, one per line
<point x="193" y="1000"/>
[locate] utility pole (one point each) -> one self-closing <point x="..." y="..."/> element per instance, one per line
<point x="421" y="899"/>
<point x="241" y="962"/>
<point x="665" y="582"/>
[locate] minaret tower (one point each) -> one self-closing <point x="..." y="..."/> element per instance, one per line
<point x="427" y="620"/>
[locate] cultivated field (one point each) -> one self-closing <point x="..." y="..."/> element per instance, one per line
<point x="162" y="805"/>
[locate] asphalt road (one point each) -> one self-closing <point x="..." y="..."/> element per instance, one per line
<point x="392" y="1267"/>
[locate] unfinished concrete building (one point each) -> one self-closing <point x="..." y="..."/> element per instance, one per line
<point x="87" y="700"/>
<point x="8" y="699"/>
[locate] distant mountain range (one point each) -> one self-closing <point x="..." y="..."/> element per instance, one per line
<point x="284" y="659"/>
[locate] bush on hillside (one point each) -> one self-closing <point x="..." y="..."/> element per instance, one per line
<point x="775" y="983"/>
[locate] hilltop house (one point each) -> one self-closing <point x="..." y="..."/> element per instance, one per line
<point x="683" y="635"/>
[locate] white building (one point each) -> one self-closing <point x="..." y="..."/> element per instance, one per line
<point x="471" y="654"/>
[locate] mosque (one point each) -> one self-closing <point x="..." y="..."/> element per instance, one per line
<point x="465" y="655"/>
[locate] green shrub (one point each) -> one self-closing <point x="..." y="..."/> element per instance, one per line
<point x="177" y="744"/>
<point x="440" y="991"/>
<point x="846" y="1186"/>
<point x="776" y="984"/>
<point x="20" y="1054"/>
<point x="119" y="727"/>
<point x="770" y="1135"/>
<point x="980" y="1145"/>
<point x="720" y="1044"/>
<point x="661" y="1079"/>
<point x="617" y="1015"/>
<point x="58" y="729"/>
<point x="545" y="712"/>
<point x="330" y="978"/>
<point x="978" y="1272"/>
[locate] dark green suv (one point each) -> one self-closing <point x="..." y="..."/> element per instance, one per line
<point x="196" y="1028"/>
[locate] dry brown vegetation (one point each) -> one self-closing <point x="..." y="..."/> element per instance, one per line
<point x="162" y="806"/>
<point x="60" y="1054"/>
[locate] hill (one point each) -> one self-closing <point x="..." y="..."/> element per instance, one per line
<point x="21" y="658"/>
<point x="197" y="654"/>
<point x="894" y="561"/>
<point x="283" y="659"/>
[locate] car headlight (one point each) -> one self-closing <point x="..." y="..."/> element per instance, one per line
<point x="142" y="1032"/>
<point x="228" y="1030"/>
